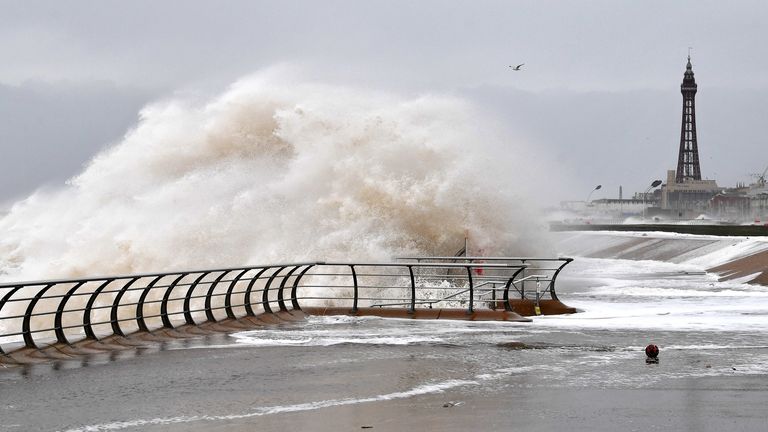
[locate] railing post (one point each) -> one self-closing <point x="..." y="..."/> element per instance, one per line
<point x="412" y="308"/>
<point x="228" y="297"/>
<point x="188" y="298"/>
<point x="280" y="298"/>
<point x="247" y="296"/>
<point x="5" y="299"/>
<point x="471" y="308"/>
<point x="166" y="298"/>
<point x="295" y="288"/>
<point x="552" y="292"/>
<point x="116" y="305"/>
<point x="209" y="296"/>
<point x="510" y="282"/>
<point x="89" y="334"/>
<point x="57" y="320"/>
<point x="25" y="325"/>
<point x="265" y="294"/>
<point x="355" y="293"/>
<point x="140" y="306"/>
<point x="522" y="285"/>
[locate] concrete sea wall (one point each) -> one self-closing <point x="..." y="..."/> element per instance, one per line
<point x="729" y="256"/>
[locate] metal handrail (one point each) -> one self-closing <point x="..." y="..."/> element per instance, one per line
<point x="481" y="258"/>
<point x="564" y="261"/>
<point x="143" y="275"/>
<point x="448" y="297"/>
<point x="35" y="308"/>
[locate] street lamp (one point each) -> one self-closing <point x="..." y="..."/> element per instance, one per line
<point x="590" y="194"/>
<point x="653" y="185"/>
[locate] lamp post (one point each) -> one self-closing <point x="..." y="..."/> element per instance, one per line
<point x="590" y="194"/>
<point x="653" y="185"/>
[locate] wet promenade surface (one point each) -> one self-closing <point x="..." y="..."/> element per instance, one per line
<point x="396" y="374"/>
<point x="578" y="372"/>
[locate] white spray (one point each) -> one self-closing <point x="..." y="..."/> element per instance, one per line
<point x="275" y="172"/>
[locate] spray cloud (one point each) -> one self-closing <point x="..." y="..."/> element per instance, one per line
<point x="275" y="172"/>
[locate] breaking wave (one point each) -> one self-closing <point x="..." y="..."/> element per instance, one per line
<point x="274" y="171"/>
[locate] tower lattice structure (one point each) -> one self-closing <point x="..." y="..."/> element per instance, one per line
<point x="688" y="159"/>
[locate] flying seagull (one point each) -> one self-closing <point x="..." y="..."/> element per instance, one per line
<point x="517" y="68"/>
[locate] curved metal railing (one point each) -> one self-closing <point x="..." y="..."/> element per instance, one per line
<point x="538" y="271"/>
<point x="34" y="314"/>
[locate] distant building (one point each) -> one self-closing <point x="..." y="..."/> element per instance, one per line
<point x="621" y="207"/>
<point x="690" y="196"/>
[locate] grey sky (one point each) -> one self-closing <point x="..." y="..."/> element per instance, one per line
<point x="600" y="87"/>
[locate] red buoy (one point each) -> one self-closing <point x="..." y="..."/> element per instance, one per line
<point x="652" y="351"/>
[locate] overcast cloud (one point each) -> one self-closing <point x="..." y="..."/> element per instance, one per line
<point x="600" y="88"/>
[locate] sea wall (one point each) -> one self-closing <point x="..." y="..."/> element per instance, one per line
<point x="694" y="228"/>
<point x="730" y="257"/>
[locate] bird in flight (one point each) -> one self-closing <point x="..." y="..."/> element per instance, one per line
<point x="517" y="68"/>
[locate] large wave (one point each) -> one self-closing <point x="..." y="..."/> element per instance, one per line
<point x="274" y="171"/>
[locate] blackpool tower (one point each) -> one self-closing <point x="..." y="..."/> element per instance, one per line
<point x="688" y="158"/>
